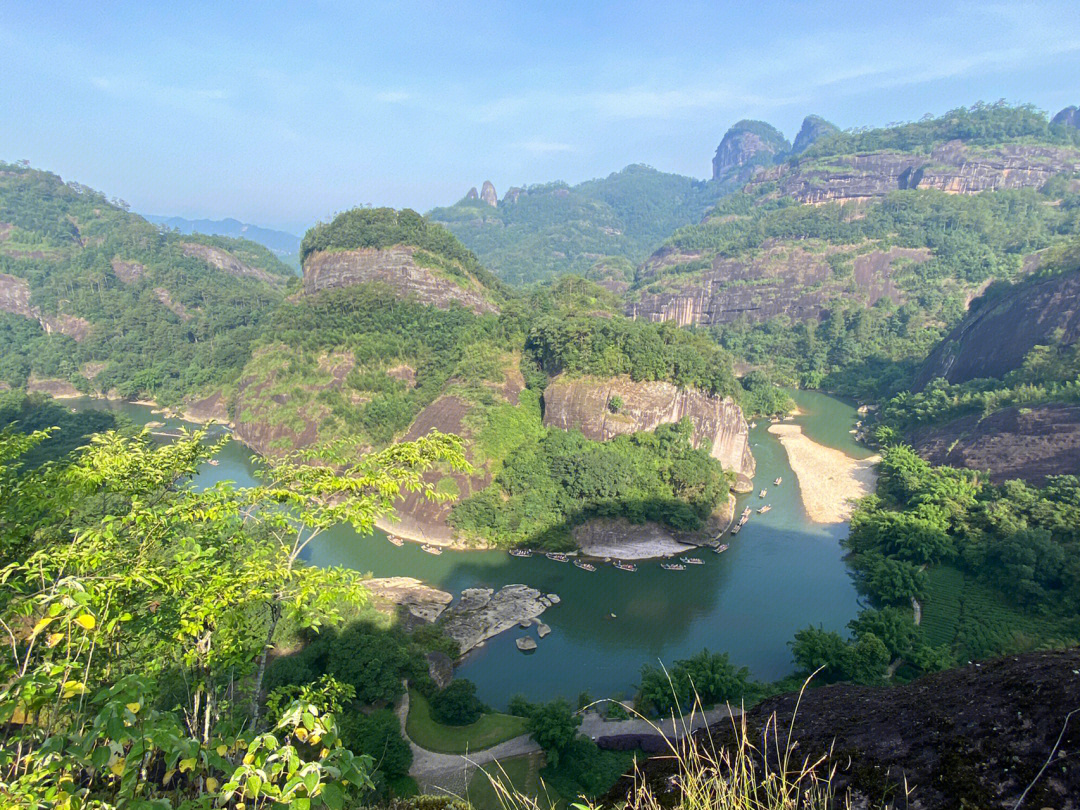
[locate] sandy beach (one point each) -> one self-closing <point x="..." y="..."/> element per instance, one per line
<point x="621" y="539"/>
<point x="829" y="479"/>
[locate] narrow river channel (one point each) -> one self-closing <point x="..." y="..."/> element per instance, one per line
<point x="781" y="573"/>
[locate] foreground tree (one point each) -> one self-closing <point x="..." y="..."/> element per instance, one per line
<point x="138" y="609"/>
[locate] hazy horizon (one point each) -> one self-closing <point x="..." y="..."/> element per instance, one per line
<point x="279" y="118"/>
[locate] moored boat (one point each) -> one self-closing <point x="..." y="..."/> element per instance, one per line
<point x="431" y="549"/>
<point x="737" y="528"/>
<point x="584" y="566"/>
<point x="393" y="538"/>
<point x="625" y="566"/>
<point x="764" y="509"/>
<point x="557" y="556"/>
<point x="777" y="481"/>
<point x="521" y="552"/>
<point x="672" y="567"/>
<point x="691" y="560"/>
<point x="746" y="512"/>
<point x="720" y="549"/>
<point x="763" y="493"/>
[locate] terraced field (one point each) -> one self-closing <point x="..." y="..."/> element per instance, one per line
<point x="977" y="621"/>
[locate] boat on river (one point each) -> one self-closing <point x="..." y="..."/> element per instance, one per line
<point x="430" y="549"/>
<point x="393" y="538"/>
<point x="557" y="556"/>
<point x="691" y="560"/>
<point x="521" y="552"/>
<point x="213" y="462"/>
<point x="625" y="566"/>
<point x="777" y="481"/>
<point x="764" y="509"/>
<point x="746" y="512"/>
<point x="584" y="566"/>
<point x="763" y="493"/>
<point x="720" y="549"/>
<point x="736" y="529"/>
<point x="672" y="567"/>
<point x="753" y="425"/>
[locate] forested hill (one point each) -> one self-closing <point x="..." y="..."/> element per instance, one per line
<point x="97" y="298"/>
<point x="541" y="231"/>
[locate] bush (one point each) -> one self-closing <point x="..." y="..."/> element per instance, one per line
<point x="457" y="704"/>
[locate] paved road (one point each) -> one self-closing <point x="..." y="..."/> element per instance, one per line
<point x="450" y="773"/>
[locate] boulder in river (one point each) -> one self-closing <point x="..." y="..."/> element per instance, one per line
<point x="526" y="644"/>
<point x="482" y="613"/>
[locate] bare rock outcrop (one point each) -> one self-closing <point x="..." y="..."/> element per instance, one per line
<point x="482" y="613"/>
<point x="226" y="262"/>
<point x="746" y="143"/>
<point x="396" y="267"/>
<point x="417" y="599"/>
<point x="488" y="195"/>
<point x="1029" y="443"/>
<point x="779" y="279"/>
<point x="15" y="298"/>
<point x="719" y="424"/>
<point x="128" y="272"/>
<point x="472" y="194"/>
<point x="1069" y="117"/>
<point x="813" y="129"/>
<point x="175" y="307"/>
<point x="953" y="167"/>
<point x="1003" y="326"/>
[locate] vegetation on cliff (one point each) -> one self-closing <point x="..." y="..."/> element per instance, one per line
<point x="144" y="317"/>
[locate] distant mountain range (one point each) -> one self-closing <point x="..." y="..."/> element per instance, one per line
<point x="285" y="245"/>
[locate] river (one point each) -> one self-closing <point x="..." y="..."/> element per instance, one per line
<point x="782" y="573"/>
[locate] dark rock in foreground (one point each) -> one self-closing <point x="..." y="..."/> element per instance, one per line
<point x="971" y="737"/>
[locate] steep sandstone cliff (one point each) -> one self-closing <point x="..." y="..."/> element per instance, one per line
<point x="1004" y="326"/>
<point x="488" y="195"/>
<point x="779" y="279"/>
<point x="719" y="425"/>
<point x="747" y="143"/>
<point x="397" y="267"/>
<point x="953" y="167"/>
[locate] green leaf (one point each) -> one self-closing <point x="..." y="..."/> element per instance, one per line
<point x="333" y="796"/>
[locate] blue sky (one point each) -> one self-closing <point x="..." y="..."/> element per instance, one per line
<point x="283" y="113"/>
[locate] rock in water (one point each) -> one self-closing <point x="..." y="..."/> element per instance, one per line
<point x="526" y="644"/>
<point x="542" y="630"/>
<point x="482" y="613"/>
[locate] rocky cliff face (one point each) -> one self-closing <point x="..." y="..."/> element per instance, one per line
<point x="780" y="279"/>
<point x="748" y="142"/>
<point x="226" y="262"/>
<point x="488" y="195"/>
<point x="719" y="425"/>
<point x="952" y="167"/>
<point x="1002" y="328"/>
<point x="813" y="129"/>
<point x="971" y="737"/>
<point x="1029" y="443"/>
<point x="396" y="267"/>
<point x="1069" y="117"/>
<point x="15" y="298"/>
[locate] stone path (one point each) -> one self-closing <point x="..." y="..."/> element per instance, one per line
<point x="450" y="773"/>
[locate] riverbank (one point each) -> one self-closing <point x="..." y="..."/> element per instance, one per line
<point x="829" y="479"/>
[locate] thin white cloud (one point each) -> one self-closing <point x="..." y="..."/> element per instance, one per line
<point x="392" y="96"/>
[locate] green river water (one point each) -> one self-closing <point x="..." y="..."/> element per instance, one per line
<point x="781" y="574"/>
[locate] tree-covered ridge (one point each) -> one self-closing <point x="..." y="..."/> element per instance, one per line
<point x="552" y="229"/>
<point x="614" y="345"/>
<point x="159" y="322"/>
<point x="972" y="240"/>
<point x="553" y="480"/>
<point x="980" y="124"/>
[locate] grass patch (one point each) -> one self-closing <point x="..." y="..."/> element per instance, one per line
<point x="517" y="776"/>
<point x="491" y="729"/>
